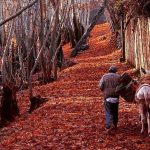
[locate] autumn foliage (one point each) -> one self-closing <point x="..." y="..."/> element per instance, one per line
<point x="73" y="117"/>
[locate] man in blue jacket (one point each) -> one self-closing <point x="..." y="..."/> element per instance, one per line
<point x="108" y="84"/>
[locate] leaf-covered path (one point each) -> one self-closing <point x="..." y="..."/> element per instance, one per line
<point x="73" y="118"/>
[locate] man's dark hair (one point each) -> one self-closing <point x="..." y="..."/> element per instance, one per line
<point x="112" y="69"/>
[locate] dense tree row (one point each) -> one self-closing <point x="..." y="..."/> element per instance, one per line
<point x="32" y="40"/>
<point x="32" y="35"/>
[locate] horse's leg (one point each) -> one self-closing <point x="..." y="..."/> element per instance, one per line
<point x="143" y="116"/>
<point x="148" y="118"/>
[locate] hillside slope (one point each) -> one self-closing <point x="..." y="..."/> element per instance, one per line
<point x="73" y="118"/>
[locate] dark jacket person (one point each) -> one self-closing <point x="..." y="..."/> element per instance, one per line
<point x="108" y="84"/>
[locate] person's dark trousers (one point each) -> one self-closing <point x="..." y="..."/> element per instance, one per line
<point x="111" y="113"/>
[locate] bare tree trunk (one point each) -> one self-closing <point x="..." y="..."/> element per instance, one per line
<point x="3" y="65"/>
<point x="122" y="37"/>
<point x="109" y="20"/>
<point x="9" y="109"/>
<point x="43" y="65"/>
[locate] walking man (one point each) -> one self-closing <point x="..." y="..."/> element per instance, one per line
<point x="108" y="84"/>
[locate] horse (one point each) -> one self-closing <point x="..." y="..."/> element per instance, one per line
<point x="138" y="92"/>
<point x="142" y="97"/>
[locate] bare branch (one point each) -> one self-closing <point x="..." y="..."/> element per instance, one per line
<point x="18" y="13"/>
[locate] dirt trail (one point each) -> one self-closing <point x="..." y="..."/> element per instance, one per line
<point x="73" y="118"/>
